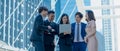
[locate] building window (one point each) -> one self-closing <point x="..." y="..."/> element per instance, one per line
<point x="87" y="2"/>
<point x="22" y="22"/>
<point x="22" y="6"/>
<point x="0" y="33"/>
<point x="18" y="21"/>
<point x="105" y="2"/>
<point x="21" y="40"/>
<point x="0" y="22"/>
<point x="0" y="13"/>
<point x="22" y="14"/>
<point x="18" y="29"/>
<point x="105" y="11"/>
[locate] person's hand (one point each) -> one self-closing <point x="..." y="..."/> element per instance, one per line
<point x="49" y="27"/>
<point x="53" y="30"/>
<point x="66" y="33"/>
<point x="86" y="39"/>
<point x="54" y="43"/>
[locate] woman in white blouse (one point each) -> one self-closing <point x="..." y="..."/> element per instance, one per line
<point x="90" y="38"/>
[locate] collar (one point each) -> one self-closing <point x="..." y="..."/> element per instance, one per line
<point x="79" y="23"/>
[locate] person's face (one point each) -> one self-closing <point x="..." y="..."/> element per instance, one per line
<point x="78" y="19"/>
<point x="51" y="17"/>
<point x="44" y="13"/>
<point x="86" y="16"/>
<point x="64" y="19"/>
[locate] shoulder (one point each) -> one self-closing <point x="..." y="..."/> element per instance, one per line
<point x="55" y="23"/>
<point x="83" y="23"/>
<point x="73" y="23"/>
<point x="38" y="17"/>
<point x="92" y="23"/>
<point x="46" y="21"/>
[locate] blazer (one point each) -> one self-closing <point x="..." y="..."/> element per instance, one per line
<point x="83" y="32"/>
<point x="49" y="38"/>
<point x="38" y="29"/>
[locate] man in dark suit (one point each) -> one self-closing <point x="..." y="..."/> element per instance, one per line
<point x="38" y="29"/>
<point x="49" y="35"/>
<point x="78" y="33"/>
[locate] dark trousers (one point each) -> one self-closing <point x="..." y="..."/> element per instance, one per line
<point x="49" y="47"/>
<point x="79" y="46"/>
<point x="38" y="46"/>
<point x="65" y="47"/>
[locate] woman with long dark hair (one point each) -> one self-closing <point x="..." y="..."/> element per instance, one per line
<point x="65" y="39"/>
<point x="90" y="38"/>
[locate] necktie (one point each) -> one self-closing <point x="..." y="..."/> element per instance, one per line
<point x="78" y="32"/>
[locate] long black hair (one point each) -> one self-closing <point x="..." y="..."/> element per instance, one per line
<point x="90" y="15"/>
<point x="61" y="22"/>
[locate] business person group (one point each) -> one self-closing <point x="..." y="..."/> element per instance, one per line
<point x="82" y="36"/>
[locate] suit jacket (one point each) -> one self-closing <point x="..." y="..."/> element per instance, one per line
<point x="83" y="32"/>
<point x="38" y="29"/>
<point x="49" y="38"/>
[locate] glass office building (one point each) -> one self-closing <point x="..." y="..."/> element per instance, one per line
<point x="17" y="19"/>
